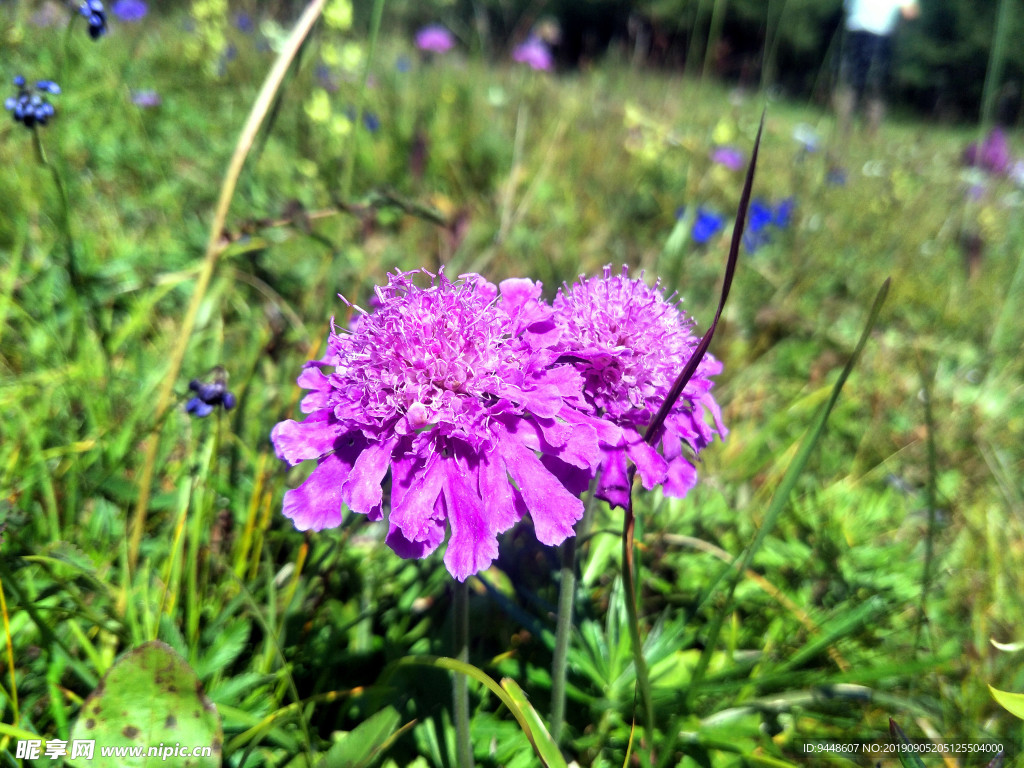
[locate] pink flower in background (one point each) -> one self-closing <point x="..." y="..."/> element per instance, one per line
<point x="434" y="39"/>
<point x="993" y="155"/>
<point x="730" y="157"/>
<point x="535" y="53"/>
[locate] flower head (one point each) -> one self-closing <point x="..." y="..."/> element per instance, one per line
<point x="629" y="343"/>
<point x="146" y="98"/>
<point x="93" y="11"/>
<point x="450" y="389"/>
<point x="535" y="53"/>
<point x="434" y="38"/>
<point x="208" y="395"/>
<point x="130" y="10"/>
<point x="729" y="157"/>
<point x="993" y="155"/>
<point x="31" y="107"/>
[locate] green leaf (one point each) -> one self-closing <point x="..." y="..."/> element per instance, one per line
<point x="546" y="748"/>
<point x="1011" y="702"/>
<point x="361" y="747"/>
<point x="150" y="697"/>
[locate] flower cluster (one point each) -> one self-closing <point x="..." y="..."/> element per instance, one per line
<point x="535" y="51"/>
<point x="93" y="11"/>
<point x="485" y="404"/>
<point x="208" y="395"/>
<point x="763" y="219"/>
<point x="31" y="107"/>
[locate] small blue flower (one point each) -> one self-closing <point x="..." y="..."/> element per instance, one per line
<point x="208" y="395"/>
<point x="784" y="213"/>
<point x="707" y="225"/>
<point x="371" y="121"/>
<point x="761" y="216"/>
<point x="97" y="17"/>
<point x="31" y="107"/>
<point x="130" y="10"/>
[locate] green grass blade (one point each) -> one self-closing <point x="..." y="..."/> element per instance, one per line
<point x="781" y="496"/>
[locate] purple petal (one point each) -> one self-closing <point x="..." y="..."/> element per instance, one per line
<point x="613" y="486"/>
<point x="414" y="492"/>
<point x="554" y="510"/>
<point x="472" y="546"/>
<point x="496" y="488"/>
<point x="316" y="504"/>
<point x="415" y="550"/>
<point x="362" y="491"/>
<point x="296" y="441"/>
<point x="681" y="477"/>
<point x="651" y="467"/>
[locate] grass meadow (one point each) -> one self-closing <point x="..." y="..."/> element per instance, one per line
<point x="816" y="583"/>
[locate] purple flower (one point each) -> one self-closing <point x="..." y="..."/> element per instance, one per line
<point x="730" y="157"/>
<point x="208" y="395"/>
<point x="450" y="389"/>
<point x="629" y="343"/>
<point x="707" y="225"/>
<point x="535" y="53"/>
<point x="146" y="98"/>
<point x="130" y="10"/>
<point x="993" y="155"/>
<point x="93" y="11"/>
<point x="243" y="22"/>
<point x="434" y="39"/>
<point x="31" y="106"/>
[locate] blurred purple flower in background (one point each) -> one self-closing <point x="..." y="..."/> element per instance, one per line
<point x="993" y="155"/>
<point x="243" y="22"/>
<point x="130" y="10"/>
<point x="730" y="157"/>
<point x="535" y="53"/>
<point x="434" y="39"/>
<point x="146" y="98"/>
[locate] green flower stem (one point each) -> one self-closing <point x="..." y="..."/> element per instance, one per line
<point x="563" y="627"/>
<point x="460" y="684"/>
<point x="629" y="582"/>
<point x="65" y="210"/>
<point x="559" y="664"/>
